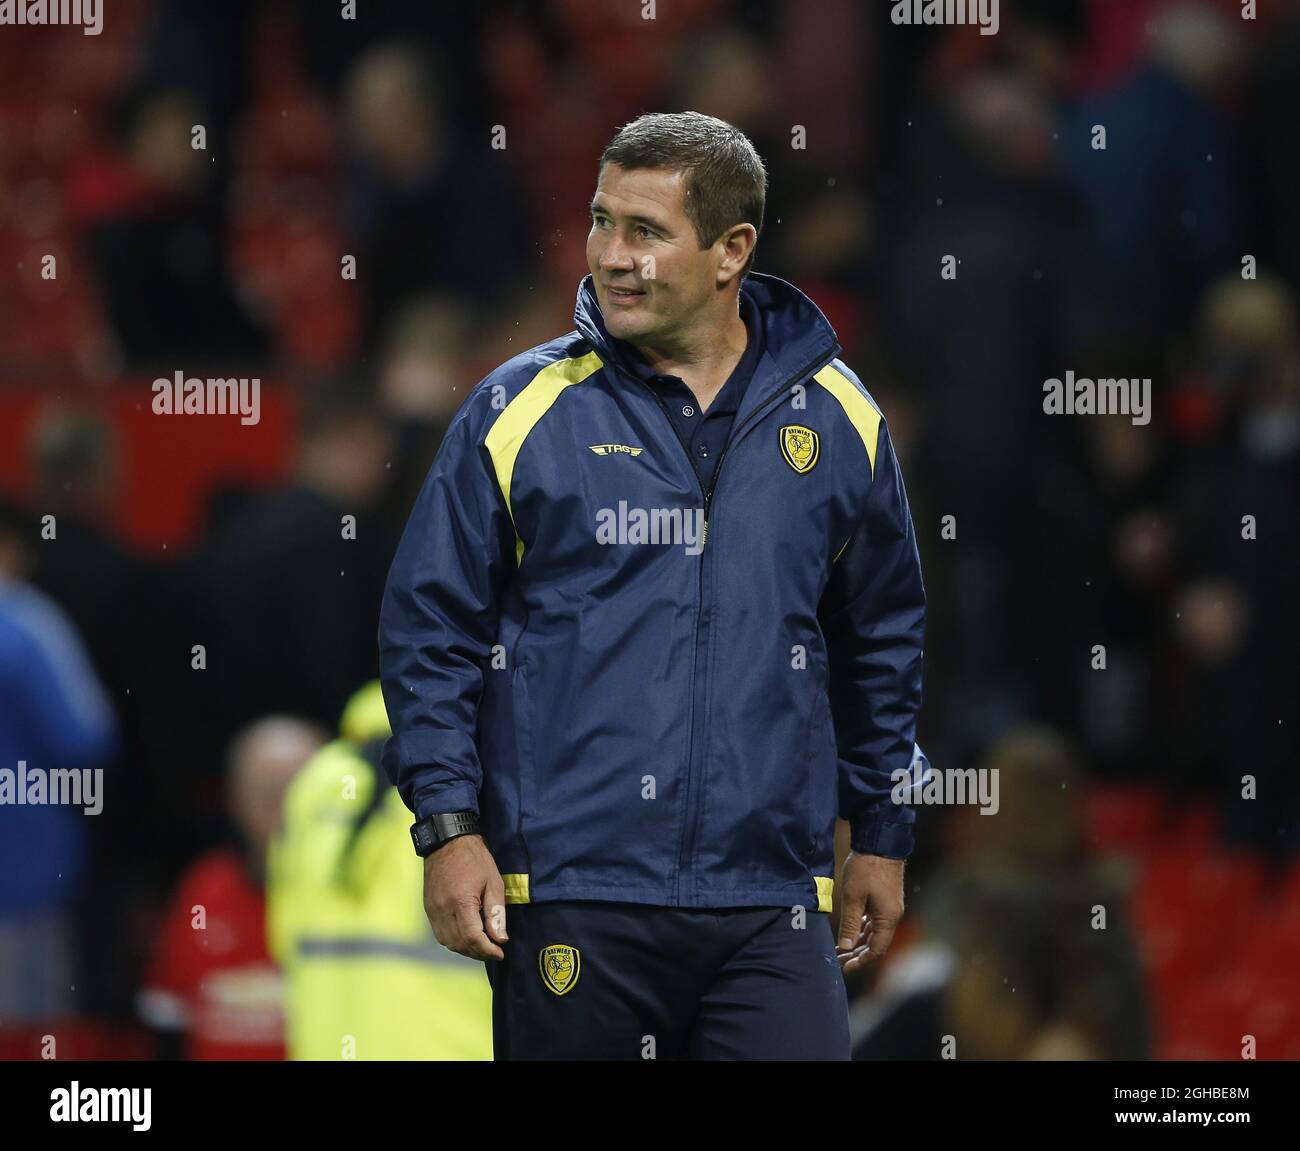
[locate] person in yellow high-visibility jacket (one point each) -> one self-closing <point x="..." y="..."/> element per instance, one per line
<point x="365" y="978"/>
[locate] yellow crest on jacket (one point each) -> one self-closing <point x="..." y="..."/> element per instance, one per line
<point x="800" y="446"/>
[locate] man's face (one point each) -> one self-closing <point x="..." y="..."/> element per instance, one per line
<point x="652" y="278"/>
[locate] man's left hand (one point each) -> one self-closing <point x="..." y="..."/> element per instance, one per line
<point x="871" y="907"/>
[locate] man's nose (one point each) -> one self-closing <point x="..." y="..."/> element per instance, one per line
<point x="616" y="256"/>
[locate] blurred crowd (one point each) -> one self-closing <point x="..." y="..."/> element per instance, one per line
<point x="449" y="152"/>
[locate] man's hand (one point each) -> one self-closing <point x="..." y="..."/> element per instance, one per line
<point x="465" y="898"/>
<point x="871" y="907"/>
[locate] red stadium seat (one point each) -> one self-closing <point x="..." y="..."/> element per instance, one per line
<point x="1193" y="826"/>
<point x="1190" y="909"/>
<point x="1214" y="1018"/>
<point x="1122" y="818"/>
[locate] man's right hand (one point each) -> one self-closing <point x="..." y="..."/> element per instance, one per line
<point x="465" y="898"/>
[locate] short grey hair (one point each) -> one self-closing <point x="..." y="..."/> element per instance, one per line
<point x="725" y="180"/>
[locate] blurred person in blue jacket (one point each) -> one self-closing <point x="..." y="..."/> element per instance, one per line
<point x="57" y="730"/>
<point x="1164" y="198"/>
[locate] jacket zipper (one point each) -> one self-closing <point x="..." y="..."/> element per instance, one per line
<point x="695" y="641"/>
<point x="692" y="816"/>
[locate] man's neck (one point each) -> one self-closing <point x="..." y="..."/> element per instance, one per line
<point x="705" y="367"/>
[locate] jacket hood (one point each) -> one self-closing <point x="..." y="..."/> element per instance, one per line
<point x="798" y="336"/>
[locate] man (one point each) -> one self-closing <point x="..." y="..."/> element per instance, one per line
<point x="657" y="615"/>
<point x="297" y="591"/>
<point x="58" y="732"/>
<point x="363" y="977"/>
<point x="213" y="990"/>
<point x="417" y="184"/>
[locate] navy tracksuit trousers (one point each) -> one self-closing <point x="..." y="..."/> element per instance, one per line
<point x="626" y="981"/>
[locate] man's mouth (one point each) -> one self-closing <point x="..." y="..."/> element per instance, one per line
<point x="623" y="295"/>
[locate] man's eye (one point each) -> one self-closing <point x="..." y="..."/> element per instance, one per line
<point x="642" y="230"/>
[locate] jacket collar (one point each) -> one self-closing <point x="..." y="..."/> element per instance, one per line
<point x="798" y="338"/>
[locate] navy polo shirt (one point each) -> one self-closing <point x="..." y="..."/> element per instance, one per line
<point x="705" y="433"/>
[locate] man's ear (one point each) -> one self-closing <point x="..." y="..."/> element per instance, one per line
<point x="737" y="243"/>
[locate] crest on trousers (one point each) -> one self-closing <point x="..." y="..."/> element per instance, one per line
<point x="800" y="446"/>
<point x="560" y="965"/>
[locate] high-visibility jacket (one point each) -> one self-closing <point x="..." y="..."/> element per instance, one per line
<point x="365" y="978"/>
<point x="652" y="692"/>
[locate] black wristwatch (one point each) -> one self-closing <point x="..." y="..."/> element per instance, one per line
<point x="430" y="834"/>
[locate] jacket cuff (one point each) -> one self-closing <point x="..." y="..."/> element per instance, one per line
<point x="872" y="835"/>
<point x="444" y="798"/>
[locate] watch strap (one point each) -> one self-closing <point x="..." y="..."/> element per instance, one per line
<point x="430" y="834"/>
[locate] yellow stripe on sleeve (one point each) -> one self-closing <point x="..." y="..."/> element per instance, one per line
<point x="521" y="415"/>
<point x="860" y="410"/>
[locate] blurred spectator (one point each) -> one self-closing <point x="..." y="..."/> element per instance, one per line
<point x="1107" y="563"/>
<point x="213" y="990"/>
<point x="984" y="198"/>
<point x="826" y="83"/>
<point x="154" y="230"/>
<point x="1164" y="198"/>
<point x="55" y="723"/>
<point x="104" y="588"/>
<point x="1043" y="41"/>
<point x="1238" y="616"/>
<point x="1012" y="962"/>
<point x="422" y="360"/>
<point x="825" y="243"/>
<point x="528" y="318"/>
<point x="423" y="376"/>
<point x="330" y="46"/>
<point x="727" y="73"/>
<point x="82" y="566"/>
<point x="1022" y="976"/>
<point x="432" y="204"/>
<point x="364" y="976"/>
<point x="204" y="50"/>
<point x="296" y="576"/>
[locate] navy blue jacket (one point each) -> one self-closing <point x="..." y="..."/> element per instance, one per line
<point x="650" y="693"/>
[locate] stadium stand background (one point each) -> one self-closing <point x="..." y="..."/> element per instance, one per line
<point x="373" y="138"/>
